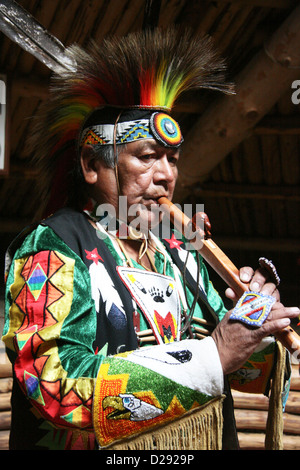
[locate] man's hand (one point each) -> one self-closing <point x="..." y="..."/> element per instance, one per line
<point x="258" y="281"/>
<point x="236" y="341"/>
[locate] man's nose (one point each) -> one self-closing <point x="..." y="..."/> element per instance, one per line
<point x="164" y="170"/>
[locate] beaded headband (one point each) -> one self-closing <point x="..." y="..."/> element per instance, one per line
<point x="160" y="126"/>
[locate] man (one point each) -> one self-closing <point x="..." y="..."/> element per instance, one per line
<point x="104" y="319"/>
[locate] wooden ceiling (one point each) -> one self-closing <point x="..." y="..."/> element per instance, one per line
<point x="241" y="156"/>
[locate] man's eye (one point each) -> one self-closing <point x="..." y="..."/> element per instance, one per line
<point x="147" y="156"/>
<point x="173" y="160"/>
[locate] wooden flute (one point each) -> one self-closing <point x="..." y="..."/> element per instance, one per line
<point x="217" y="259"/>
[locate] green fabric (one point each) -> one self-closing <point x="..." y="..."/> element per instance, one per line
<point x="77" y="332"/>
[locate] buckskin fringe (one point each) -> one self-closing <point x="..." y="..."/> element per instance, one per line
<point x="274" y="428"/>
<point x="199" y="429"/>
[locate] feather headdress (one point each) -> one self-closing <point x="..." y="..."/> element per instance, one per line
<point x="148" y="69"/>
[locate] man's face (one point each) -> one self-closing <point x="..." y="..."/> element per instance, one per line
<point x="146" y="172"/>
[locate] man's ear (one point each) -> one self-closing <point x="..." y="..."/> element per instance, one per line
<point x="89" y="165"/>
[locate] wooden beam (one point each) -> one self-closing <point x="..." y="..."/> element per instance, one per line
<point x="244" y="191"/>
<point x="280" y="245"/>
<point x="280" y="4"/>
<point x="5" y="370"/>
<point x="231" y="119"/>
<point x="4" y="440"/>
<point x="29" y="87"/>
<point x="256" y="420"/>
<point x="278" y="125"/>
<point x="256" y="441"/>
<point x="151" y="13"/>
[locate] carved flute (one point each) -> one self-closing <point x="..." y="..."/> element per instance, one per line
<point x="217" y="259"/>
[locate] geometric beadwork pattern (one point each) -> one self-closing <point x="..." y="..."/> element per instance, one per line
<point x="253" y="308"/>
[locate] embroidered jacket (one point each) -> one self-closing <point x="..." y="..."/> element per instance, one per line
<point x="70" y="310"/>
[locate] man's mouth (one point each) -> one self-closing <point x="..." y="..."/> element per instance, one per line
<point x="152" y="202"/>
<point x="154" y="199"/>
